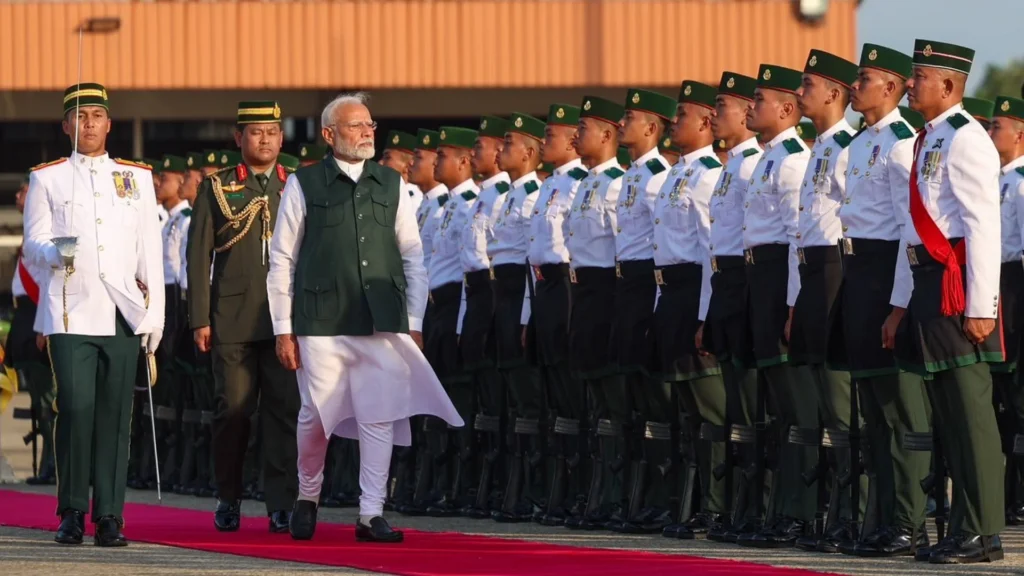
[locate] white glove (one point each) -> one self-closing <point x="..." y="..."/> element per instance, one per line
<point x="151" y="341"/>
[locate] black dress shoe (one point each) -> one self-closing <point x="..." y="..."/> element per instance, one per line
<point x="850" y="548"/>
<point x="303" y="521"/>
<point x="696" y="527"/>
<point x="378" y="531"/>
<point x="896" y="541"/>
<point x="228" y="516"/>
<point x="843" y="532"/>
<point x="443" y="508"/>
<point x="1015" y="514"/>
<point x="924" y="554"/>
<point x="108" y="533"/>
<point x="72" y="526"/>
<point x="279" y="520"/>
<point x="783" y="534"/>
<point x="968" y="549"/>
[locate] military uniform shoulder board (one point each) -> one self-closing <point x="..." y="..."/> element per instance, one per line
<point x="793" y="146"/>
<point x="282" y="173"/>
<point x="124" y="162"/>
<point x="750" y="152"/>
<point x="187" y="212"/>
<point x="577" y="173"/>
<point x="1020" y="170"/>
<point x="843" y="138"/>
<point x="442" y="200"/>
<point x="468" y="195"/>
<point x="502" y="187"/>
<point x="655" y="165"/>
<point x="901" y="131"/>
<point x="957" y="121"/>
<point x="531" y="187"/>
<point x="48" y="164"/>
<point x="614" y="172"/>
<point x="710" y="162"/>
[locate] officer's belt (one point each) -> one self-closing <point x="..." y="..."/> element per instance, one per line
<point x="817" y="255"/>
<point x="23" y="302"/>
<point x="677" y="274"/>
<point x="592" y="275"/>
<point x="631" y="268"/>
<point x="478" y="277"/>
<point x="719" y="263"/>
<point x="446" y="293"/>
<point x="864" y="246"/>
<point x="550" y="272"/>
<point x="918" y="255"/>
<point x="765" y="253"/>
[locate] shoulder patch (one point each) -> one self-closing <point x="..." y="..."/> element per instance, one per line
<point x="48" y="164"/>
<point x="531" y="187"/>
<point x="655" y="166"/>
<point x="501" y="187"/>
<point x="614" y="172"/>
<point x="843" y="138"/>
<point x="900" y="130"/>
<point x="577" y="173"/>
<point x="750" y="152"/>
<point x="468" y="195"/>
<point x="124" y="162"/>
<point x="710" y="162"/>
<point x="442" y="200"/>
<point x="1020" y="170"/>
<point x="792" y="146"/>
<point x="957" y="121"/>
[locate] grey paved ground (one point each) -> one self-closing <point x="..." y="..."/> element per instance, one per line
<point x="33" y="552"/>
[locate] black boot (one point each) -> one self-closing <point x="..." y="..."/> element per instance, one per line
<point x="489" y="428"/>
<point x="562" y="496"/>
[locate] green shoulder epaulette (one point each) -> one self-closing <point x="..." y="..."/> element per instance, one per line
<point x="442" y="200"/>
<point x="614" y="172"/>
<point x="47" y="164"/>
<point x="655" y="166"/>
<point x="577" y="173"/>
<point x="710" y="162"/>
<point x="843" y="138"/>
<point x="957" y="121"/>
<point x="501" y="187"/>
<point x="468" y="195"/>
<point x="750" y="152"/>
<point x="187" y="212"/>
<point x="1020" y="170"/>
<point x="531" y="187"/>
<point x="900" y="130"/>
<point x="124" y="162"/>
<point x="792" y="146"/>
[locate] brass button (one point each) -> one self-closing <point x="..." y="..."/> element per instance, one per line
<point x="657" y="220"/>
<point x="847" y="200"/>
<point x="366" y="286"/>
<point x="99" y="220"/>
<point x="96" y="194"/>
<point x="618" y="229"/>
<point x="744" y="226"/>
<point x="100" y="248"/>
<point x="655" y="246"/>
<point x="845" y="228"/>
<point x="712" y="220"/>
<point x="746" y="204"/>
<point x="570" y="232"/>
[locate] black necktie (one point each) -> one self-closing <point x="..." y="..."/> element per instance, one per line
<point x="262" y="179"/>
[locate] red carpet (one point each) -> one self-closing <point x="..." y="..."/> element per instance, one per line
<point x="422" y="553"/>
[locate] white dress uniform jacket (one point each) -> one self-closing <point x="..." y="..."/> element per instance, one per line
<point x="174" y="236"/>
<point x="113" y="214"/>
<point x="446" y="260"/>
<point x="479" y="229"/>
<point x="593" y="219"/>
<point x="823" y="188"/>
<point x="415" y="195"/>
<point x="510" y="244"/>
<point x="1011" y="207"/>
<point x="427" y="216"/>
<point x="640" y="186"/>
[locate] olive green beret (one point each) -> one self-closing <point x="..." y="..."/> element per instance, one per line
<point x="738" y="85"/>
<point x="941" y="55"/>
<point x="172" y="163"/>
<point x="806" y="131"/>
<point x="653" y="102"/>
<point x="312" y="151"/>
<point x="85" y="94"/>
<point x="779" y="78"/>
<point x="666" y="144"/>
<point x="258" y="112"/>
<point x="979" y="108"/>
<point x="288" y="161"/>
<point x="887" y="60"/>
<point x="194" y="160"/>
<point x="622" y="156"/>
<point x="563" y="115"/>
<point x="831" y="67"/>
<point x="697" y="93"/>
<point x="493" y="127"/>
<point x="399" y="140"/>
<point x="156" y="165"/>
<point x="595" y="107"/>
<point x="526" y="125"/>
<point x="1009" y="107"/>
<point x="211" y="158"/>
<point x="455" y="137"/>
<point x="913" y="117"/>
<point x="230" y="158"/>
<point x="427" y="139"/>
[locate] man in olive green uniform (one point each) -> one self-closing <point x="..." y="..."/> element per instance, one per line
<point x="234" y="219"/>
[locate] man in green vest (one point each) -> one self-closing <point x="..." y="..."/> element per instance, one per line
<point x="352" y="328"/>
<point x="234" y="219"/>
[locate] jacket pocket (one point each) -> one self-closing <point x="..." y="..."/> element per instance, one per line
<point x="326" y="213"/>
<point x="236" y="286"/>
<point x="321" y="299"/>
<point x="380" y="211"/>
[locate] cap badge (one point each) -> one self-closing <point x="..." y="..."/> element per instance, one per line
<point x="731" y="83"/>
<point x="721" y="143"/>
<point x="483" y="124"/>
<point x="1006" y="106"/>
<point x="443" y="135"/>
<point x="302" y="152"/>
<point x="224" y="159"/>
<point x="688" y="90"/>
<point x="277" y="111"/>
<point x="395" y="139"/>
<point x="767" y="74"/>
<point x="873" y="55"/>
<point x="799" y="130"/>
<point x="927" y="50"/>
<point x="586" y="105"/>
<point x="213" y="157"/>
<point x="667" y="143"/>
<point x="636" y="98"/>
<point x="426" y="139"/>
<point x="189" y="160"/>
<point x="167" y="162"/>
<point x="813" y="61"/>
<point x="519" y="122"/>
<point x="560" y="113"/>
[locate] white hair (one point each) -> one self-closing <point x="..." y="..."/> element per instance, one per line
<point x="327" y="116"/>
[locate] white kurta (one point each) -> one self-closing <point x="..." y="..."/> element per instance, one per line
<point x="365" y="379"/>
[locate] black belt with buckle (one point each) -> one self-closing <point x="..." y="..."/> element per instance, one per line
<point x="818" y="254"/>
<point x="765" y="252"/>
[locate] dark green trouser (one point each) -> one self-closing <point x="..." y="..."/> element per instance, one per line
<point x="795" y="403"/>
<point x="893" y="405"/>
<point x="964" y="409"/>
<point x="95" y="376"/>
<point x="247" y="375"/>
<point x="709" y="395"/>
<point x="741" y="399"/>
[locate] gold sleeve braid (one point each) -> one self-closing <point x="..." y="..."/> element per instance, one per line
<point x="257" y="207"/>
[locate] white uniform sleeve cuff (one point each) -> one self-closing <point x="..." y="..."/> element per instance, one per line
<point x="282" y="327"/>
<point x="415" y="324"/>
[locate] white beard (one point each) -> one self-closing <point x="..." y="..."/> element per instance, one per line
<point x="358" y="152"/>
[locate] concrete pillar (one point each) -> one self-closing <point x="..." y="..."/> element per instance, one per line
<point x="137" y="148"/>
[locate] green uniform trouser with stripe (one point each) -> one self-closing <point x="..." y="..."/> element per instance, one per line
<point x="741" y="401"/>
<point x="95" y="376"/>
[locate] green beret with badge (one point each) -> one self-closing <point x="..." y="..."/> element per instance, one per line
<point x="455" y="137"/>
<point x="492" y="127"/>
<point x="772" y="77"/>
<point x="85" y="94"/>
<point x="831" y="67"/>
<point x="258" y="112"/>
<point x="229" y="158"/>
<point x="979" y="108"/>
<point x="933" y="54"/>
<point x="288" y="161"/>
<point x="622" y="156"/>
<point x="172" y="163"/>
<point x="427" y="139"/>
<point x="1009" y="107"/>
<point x="194" y="160"/>
<point x="738" y="85"/>
<point x="546" y="167"/>
<point x="806" y="131"/>
<point x="667" y="145"/>
<point x="651" y="102"/>
<point x="601" y="109"/>
<point x="157" y="166"/>
<point x="691" y="92"/>
<point x="526" y="125"/>
<point x="913" y="117"/>
<point x="563" y="115"/>
<point x="312" y="152"/>
<point x="886" y="60"/>
<point x="211" y="158"/>
<point x="398" y="140"/>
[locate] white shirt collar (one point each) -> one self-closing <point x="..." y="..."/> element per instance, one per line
<point x="613" y="161"/>
<point x="437" y="191"/>
<point x="841" y="125"/>
<point x="178" y="208"/>
<point x="698" y="153"/>
<point x="524" y="179"/>
<point x="653" y="152"/>
<point x="1013" y="165"/>
<point x="743" y="146"/>
<point x="77" y="158"/>
<point x="577" y="163"/>
<point x="894" y="116"/>
<point x="958" y="107"/>
<point x="464" y="186"/>
<point x="499" y="177"/>
<point x="782" y="137"/>
<point x="352" y="170"/>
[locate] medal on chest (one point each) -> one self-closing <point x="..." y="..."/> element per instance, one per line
<point x="820" y="173"/>
<point x="767" y="170"/>
<point x="932" y="159"/>
<point x="723" y="187"/>
<point x="874" y="155"/>
<point x="125" y="185"/>
<point x="1002" y="193"/>
<point x="630" y="196"/>
<point x="677" y="187"/>
<point x="448" y="213"/>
